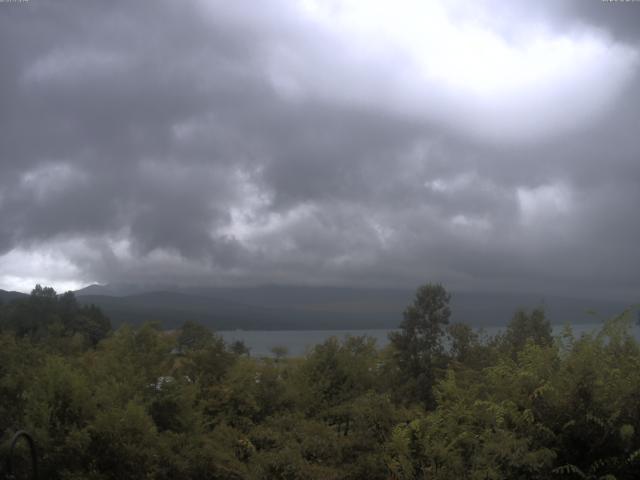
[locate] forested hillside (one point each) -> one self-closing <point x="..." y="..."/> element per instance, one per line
<point x="141" y="402"/>
<point x="316" y="308"/>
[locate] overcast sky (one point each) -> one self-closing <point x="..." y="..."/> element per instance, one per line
<point x="487" y="145"/>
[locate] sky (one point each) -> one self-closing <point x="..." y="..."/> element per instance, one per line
<point x="488" y="145"/>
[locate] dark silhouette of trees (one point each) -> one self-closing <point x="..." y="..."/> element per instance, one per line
<point x="528" y="326"/>
<point x="418" y="344"/>
<point x="45" y="314"/>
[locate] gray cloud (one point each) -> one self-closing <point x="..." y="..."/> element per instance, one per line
<point x="245" y="143"/>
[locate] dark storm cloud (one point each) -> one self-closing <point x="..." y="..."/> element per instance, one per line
<point x="620" y="19"/>
<point x="214" y="143"/>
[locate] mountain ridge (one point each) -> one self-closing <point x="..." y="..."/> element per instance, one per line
<point x="273" y="307"/>
<point x="280" y="307"/>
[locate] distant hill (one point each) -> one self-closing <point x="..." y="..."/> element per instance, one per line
<point x="317" y="308"/>
<point x="118" y="289"/>
<point x="6" y="296"/>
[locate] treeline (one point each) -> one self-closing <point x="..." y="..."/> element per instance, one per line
<point x="442" y="401"/>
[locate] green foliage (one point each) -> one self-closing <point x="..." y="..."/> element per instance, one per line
<point x="418" y="344"/>
<point x="524" y="327"/>
<point x="194" y="336"/>
<point x="146" y="403"/>
<point x="57" y="319"/>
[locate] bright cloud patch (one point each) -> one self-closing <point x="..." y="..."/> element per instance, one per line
<point x="47" y="180"/>
<point x="464" y="72"/>
<point x="69" y="64"/>
<point x="543" y="203"/>
<point x="24" y="269"/>
<point x="471" y="223"/>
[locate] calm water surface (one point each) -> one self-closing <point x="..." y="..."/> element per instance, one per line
<point x="298" y="342"/>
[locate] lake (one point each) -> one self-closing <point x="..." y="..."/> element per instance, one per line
<point x="298" y="342"/>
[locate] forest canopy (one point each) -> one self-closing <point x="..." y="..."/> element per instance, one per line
<point x="441" y="401"/>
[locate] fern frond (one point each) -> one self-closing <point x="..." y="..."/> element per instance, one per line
<point x="569" y="469"/>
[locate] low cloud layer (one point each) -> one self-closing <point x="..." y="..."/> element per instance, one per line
<point x="485" y="145"/>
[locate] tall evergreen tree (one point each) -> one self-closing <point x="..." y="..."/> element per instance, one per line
<point x="418" y="344"/>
